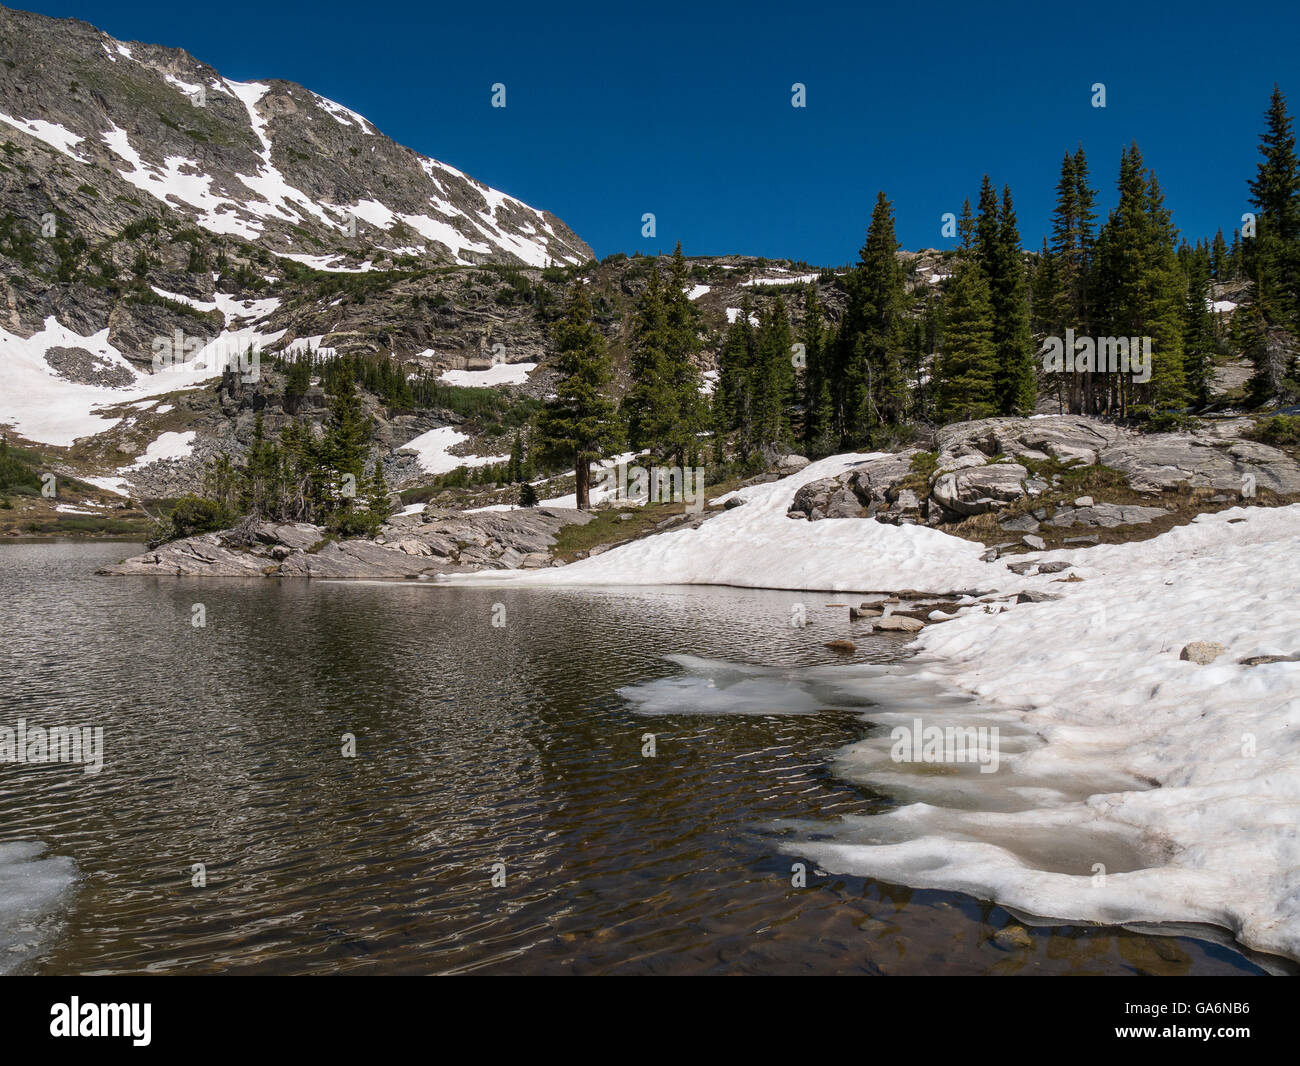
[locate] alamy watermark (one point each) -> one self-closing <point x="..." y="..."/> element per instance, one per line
<point x="36" y="745"/>
<point x="179" y="352"/>
<point x="659" y="484"/>
<point x="1089" y="355"/>
<point x="946" y="744"/>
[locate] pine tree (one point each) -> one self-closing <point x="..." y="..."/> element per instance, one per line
<point x="378" y="504"/>
<point x="966" y="226"/>
<point x="870" y="338"/>
<point x="347" y="437"/>
<point x="818" y="414"/>
<point x="772" y="378"/>
<point x="1015" y="383"/>
<point x="987" y="229"/>
<point x="681" y="375"/>
<point x="646" y="404"/>
<point x="1274" y="253"/>
<point x="1141" y="293"/>
<point x="1219" y="257"/>
<point x="967" y="368"/>
<point x="663" y="408"/>
<point x="260" y="491"/>
<point x="580" y="424"/>
<point x="733" y="398"/>
<point x="1198" y="333"/>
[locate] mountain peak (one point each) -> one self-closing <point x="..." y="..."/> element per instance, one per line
<point x="269" y="161"/>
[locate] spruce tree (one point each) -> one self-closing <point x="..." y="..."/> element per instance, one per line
<point x="733" y="398"/>
<point x="870" y="339"/>
<point x="681" y="375"/>
<point x="377" y="501"/>
<point x="772" y="380"/>
<point x="646" y="406"/>
<point x="347" y="437"/>
<point x="1274" y="253"/>
<point x="1198" y="333"/>
<point x="1015" y="382"/>
<point x="580" y="424"/>
<point x="967" y="367"/>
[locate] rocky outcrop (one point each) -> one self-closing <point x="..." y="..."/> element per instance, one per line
<point x="419" y="545"/>
<point x="1069" y="439"/>
<point x="979" y="489"/>
<point x="1106" y="515"/>
<point x="985" y="467"/>
<point x="1164" y="461"/>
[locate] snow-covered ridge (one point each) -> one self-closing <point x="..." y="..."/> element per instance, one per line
<point x="270" y="181"/>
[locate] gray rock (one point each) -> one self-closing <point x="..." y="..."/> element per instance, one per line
<point x="1030" y="541"/>
<point x="1054" y="567"/>
<point x="792" y="463"/>
<point x="898" y="623"/>
<point x="1020" y="524"/>
<point x="979" y="489"/>
<point x="1163" y="461"/>
<point x="1083" y="501"/>
<point x="1106" y="516"/>
<point x="1036" y="597"/>
<point x="1202" y="652"/>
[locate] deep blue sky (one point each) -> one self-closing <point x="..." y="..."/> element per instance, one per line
<point x="683" y="109"/>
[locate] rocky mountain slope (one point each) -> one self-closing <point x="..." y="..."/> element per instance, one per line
<point x="269" y="161"/>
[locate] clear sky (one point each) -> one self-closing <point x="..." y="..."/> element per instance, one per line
<point x="616" y="109"/>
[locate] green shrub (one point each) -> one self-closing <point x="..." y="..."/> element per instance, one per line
<point x="1278" y="430"/>
<point x="191" y="516"/>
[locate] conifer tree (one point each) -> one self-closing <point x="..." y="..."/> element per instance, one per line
<point x="1015" y="382"/>
<point x="1219" y="257"/>
<point x="1141" y="293"/>
<point x="870" y="339"/>
<point x="681" y="374"/>
<point x="772" y="379"/>
<point x="733" y="398"/>
<point x="967" y="367"/>
<point x="1198" y="333"/>
<point x="645" y="406"/>
<point x="378" y="504"/>
<point x="1274" y="253"/>
<point x="580" y="424"/>
<point x="818" y="417"/>
<point x="347" y="439"/>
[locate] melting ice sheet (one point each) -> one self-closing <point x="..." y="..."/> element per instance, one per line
<point x="31" y="887"/>
<point x="1049" y="818"/>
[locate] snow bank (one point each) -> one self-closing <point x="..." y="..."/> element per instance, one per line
<point x="434" y="451"/>
<point x="56" y="136"/>
<point x="167" y="446"/>
<point x="498" y="374"/>
<point x="1139" y="788"/>
<point x="757" y="546"/>
<point x="49" y="409"/>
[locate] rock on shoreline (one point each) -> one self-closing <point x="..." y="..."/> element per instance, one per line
<point x="409" y="546"/>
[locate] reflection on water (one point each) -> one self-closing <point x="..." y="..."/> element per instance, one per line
<point x="481" y="751"/>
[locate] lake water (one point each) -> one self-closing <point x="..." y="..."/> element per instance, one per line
<point x="483" y="753"/>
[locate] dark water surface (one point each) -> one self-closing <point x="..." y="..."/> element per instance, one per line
<point x="476" y="745"/>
